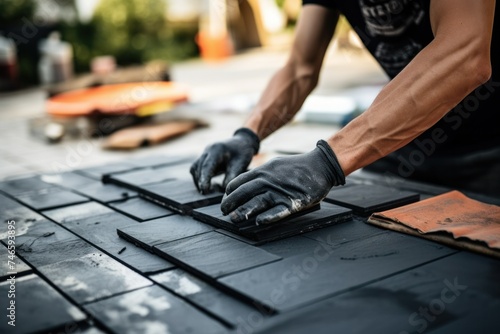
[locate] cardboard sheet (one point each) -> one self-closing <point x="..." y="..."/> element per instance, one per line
<point x="451" y="218"/>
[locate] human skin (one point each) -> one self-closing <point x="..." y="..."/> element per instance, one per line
<point x="455" y="63"/>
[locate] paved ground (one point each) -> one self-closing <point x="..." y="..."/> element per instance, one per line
<point x="234" y="82"/>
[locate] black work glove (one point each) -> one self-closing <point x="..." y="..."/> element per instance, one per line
<point x="283" y="186"/>
<point x="231" y="157"/>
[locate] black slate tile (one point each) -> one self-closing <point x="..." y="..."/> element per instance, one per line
<point x="68" y="180"/>
<point x="299" y="223"/>
<point x="366" y="199"/>
<point x="152" y="310"/>
<point x="180" y="195"/>
<point x="52" y="199"/>
<point x="304" y="279"/>
<point x="206" y="296"/>
<point x="140" y="209"/>
<point x="160" y="160"/>
<point x="11" y="210"/>
<point x="44" y="242"/>
<point x="97" y="224"/>
<point x="98" y="172"/>
<point x="213" y="254"/>
<point x="346" y="232"/>
<point x="154" y="232"/>
<point x="93" y="276"/>
<point x="443" y="296"/>
<point x="11" y="264"/>
<point x="105" y="193"/>
<point x="137" y="178"/>
<point x="38" y="307"/>
<point x="291" y="246"/>
<point x="25" y="185"/>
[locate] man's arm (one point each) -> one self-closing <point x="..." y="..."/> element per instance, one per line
<point x="455" y="63"/>
<point x="289" y="87"/>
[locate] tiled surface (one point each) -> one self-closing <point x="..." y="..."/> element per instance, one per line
<point x="51" y="200"/>
<point x="366" y="199"/>
<point x="11" y="264"/>
<point x="346" y="277"/>
<point x="152" y="310"/>
<point x="326" y="214"/>
<point x="37" y="307"/>
<point x="214" y="254"/>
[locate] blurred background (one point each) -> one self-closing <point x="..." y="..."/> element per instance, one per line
<point x="89" y="81"/>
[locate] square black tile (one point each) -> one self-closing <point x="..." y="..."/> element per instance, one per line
<point x="304" y="279"/>
<point x="180" y="195"/>
<point x="93" y="276"/>
<point x="212" y="300"/>
<point x="140" y="209"/>
<point x="51" y="200"/>
<point x="25" y="185"/>
<point x="100" y="171"/>
<point x="39" y="308"/>
<point x="106" y="193"/>
<point x="155" y="161"/>
<point x="11" y="264"/>
<point x="97" y="225"/>
<point x="366" y="199"/>
<point x="302" y="222"/>
<point x="213" y="254"/>
<point x="152" y="310"/>
<point x="154" y="232"/>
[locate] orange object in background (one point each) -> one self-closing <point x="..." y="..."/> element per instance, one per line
<point x="214" y="48"/>
<point x="451" y="218"/>
<point x="141" y="99"/>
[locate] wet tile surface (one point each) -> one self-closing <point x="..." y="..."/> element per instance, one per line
<point x="218" y="303"/>
<point x="24" y="186"/>
<point x="180" y="196"/>
<point x="97" y="224"/>
<point x="38" y="307"/>
<point x="318" y="217"/>
<point x="53" y="199"/>
<point x="106" y="192"/>
<point x="155" y="232"/>
<point x="140" y="209"/>
<point x="11" y="264"/>
<point x="214" y="254"/>
<point x="300" y="280"/>
<point x="366" y="199"/>
<point x="92" y="277"/>
<point x="152" y="310"/>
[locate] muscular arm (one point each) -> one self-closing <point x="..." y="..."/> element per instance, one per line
<point x="439" y="77"/>
<point x="290" y="86"/>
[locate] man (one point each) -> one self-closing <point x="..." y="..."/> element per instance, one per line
<point x="436" y="52"/>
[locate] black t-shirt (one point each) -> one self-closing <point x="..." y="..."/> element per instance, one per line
<point x="394" y="32"/>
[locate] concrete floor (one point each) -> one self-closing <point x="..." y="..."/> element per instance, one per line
<point x="213" y="86"/>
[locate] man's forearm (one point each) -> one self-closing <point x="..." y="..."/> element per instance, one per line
<point x="281" y="99"/>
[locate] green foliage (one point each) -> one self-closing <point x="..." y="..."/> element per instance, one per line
<point x="134" y="31"/>
<point x="14" y="10"/>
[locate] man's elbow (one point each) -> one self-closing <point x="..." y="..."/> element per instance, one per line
<point x="479" y="67"/>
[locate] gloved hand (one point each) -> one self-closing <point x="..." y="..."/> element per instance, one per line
<point x="231" y="157"/>
<point x="283" y="186"/>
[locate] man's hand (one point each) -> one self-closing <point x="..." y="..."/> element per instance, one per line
<point x="231" y="157"/>
<point x="283" y="186"/>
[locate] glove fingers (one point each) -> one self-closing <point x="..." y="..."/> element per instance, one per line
<point x="235" y="167"/>
<point x="252" y="208"/>
<point x="207" y="171"/>
<point x="272" y="215"/>
<point x="239" y="181"/>
<point x="240" y="196"/>
<point x="195" y="169"/>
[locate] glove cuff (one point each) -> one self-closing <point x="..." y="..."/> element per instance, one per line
<point x="252" y="136"/>
<point x="337" y="173"/>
